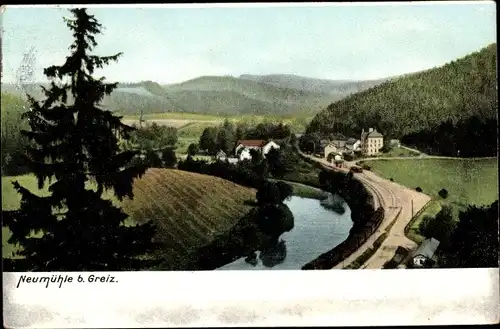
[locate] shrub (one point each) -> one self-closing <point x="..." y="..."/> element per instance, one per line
<point x="385" y="149"/>
<point x="443" y="193"/>
<point x="392" y="180"/>
<point x="366" y="167"/>
<point x="348" y="157"/>
<point x="422" y="227"/>
<point x="356" y="169"/>
<point x="418" y="189"/>
<point x="152" y="159"/>
<point x="169" y="158"/>
<point x="440" y="227"/>
<point x="193" y="149"/>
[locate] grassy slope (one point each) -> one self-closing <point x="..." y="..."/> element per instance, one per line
<point x="189" y="208"/>
<point x="407" y="104"/>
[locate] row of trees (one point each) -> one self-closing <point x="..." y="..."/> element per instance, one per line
<point x="472" y="137"/>
<point x="226" y="135"/>
<point x="352" y="190"/>
<point x="470" y="242"/>
<point x="152" y="136"/>
<point x="165" y="158"/>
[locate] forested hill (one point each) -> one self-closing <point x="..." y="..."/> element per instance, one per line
<point x="453" y="93"/>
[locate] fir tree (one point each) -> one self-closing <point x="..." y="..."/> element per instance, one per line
<point x="76" y="143"/>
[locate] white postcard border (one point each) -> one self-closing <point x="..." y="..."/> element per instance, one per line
<point x="254" y="298"/>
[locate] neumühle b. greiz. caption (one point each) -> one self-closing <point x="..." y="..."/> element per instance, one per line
<point x="61" y="279"/>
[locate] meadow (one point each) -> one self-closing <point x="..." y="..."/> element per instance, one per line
<point x="468" y="181"/>
<point x="190" y="209"/>
<point x="194" y="123"/>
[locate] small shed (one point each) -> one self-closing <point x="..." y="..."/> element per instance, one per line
<point x="423" y="256"/>
<point x="221" y="155"/>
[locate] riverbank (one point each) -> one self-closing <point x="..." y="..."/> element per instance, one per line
<point x="304" y="190"/>
<point x="365" y="218"/>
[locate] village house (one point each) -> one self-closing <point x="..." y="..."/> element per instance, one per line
<point x="332" y="149"/>
<point x="371" y="142"/>
<point x="319" y="148"/>
<point x="424" y="255"/>
<point x="339" y="143"/>
<point x="353" y="144"/>
<point x="243" y="147"/>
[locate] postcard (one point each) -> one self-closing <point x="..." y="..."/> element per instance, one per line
<point x="249" y="164"/>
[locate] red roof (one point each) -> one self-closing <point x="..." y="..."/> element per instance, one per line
<point x="251" y="142"/>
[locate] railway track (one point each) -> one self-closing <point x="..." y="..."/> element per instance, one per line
<point x="392" y="201"/>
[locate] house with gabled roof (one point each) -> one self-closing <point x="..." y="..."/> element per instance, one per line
<point x="371" y="142"/>
<point x="424" y="255"/>
<point x="243" y="147"/>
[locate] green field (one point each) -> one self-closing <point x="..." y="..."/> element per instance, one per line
<point x="399" y="152"/>
<point x="468" y="181"/>
<point x="198" y="122"/>
<point x="175" y="116"/>
<point x="190" y="209"/>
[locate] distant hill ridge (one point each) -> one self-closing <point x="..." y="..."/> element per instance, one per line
<point x="225" y="95"/>
<point x="323" y="86"/>
<point x="455" y="91"/>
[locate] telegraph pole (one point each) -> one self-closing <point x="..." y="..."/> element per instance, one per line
<point x="411" y="208"/>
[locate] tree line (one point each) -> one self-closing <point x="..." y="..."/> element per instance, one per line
<point x="252" y="173"/>
<point x="472" y="137"/>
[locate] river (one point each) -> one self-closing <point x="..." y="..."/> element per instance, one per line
<point x="316" y="231"/>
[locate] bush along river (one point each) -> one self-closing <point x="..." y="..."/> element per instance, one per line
<point x="281" y="232"/>
<point x="316" y="230"/>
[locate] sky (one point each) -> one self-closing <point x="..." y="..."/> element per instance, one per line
<point x="171" y="44"/>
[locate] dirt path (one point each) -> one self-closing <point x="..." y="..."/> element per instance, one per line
<point x="393" y="197"/>
<point x="405" y="200"/>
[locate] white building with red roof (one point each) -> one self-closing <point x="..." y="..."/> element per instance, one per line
<point x="244" y="146"/>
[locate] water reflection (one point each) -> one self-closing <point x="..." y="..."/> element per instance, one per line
<point x="256" y="236"/>
<point x="316" y="230"/>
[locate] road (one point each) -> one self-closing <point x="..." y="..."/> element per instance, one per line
<point x="395" y="199"/>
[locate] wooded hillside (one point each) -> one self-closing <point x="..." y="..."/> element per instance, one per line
<point x="455" y="92"/>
